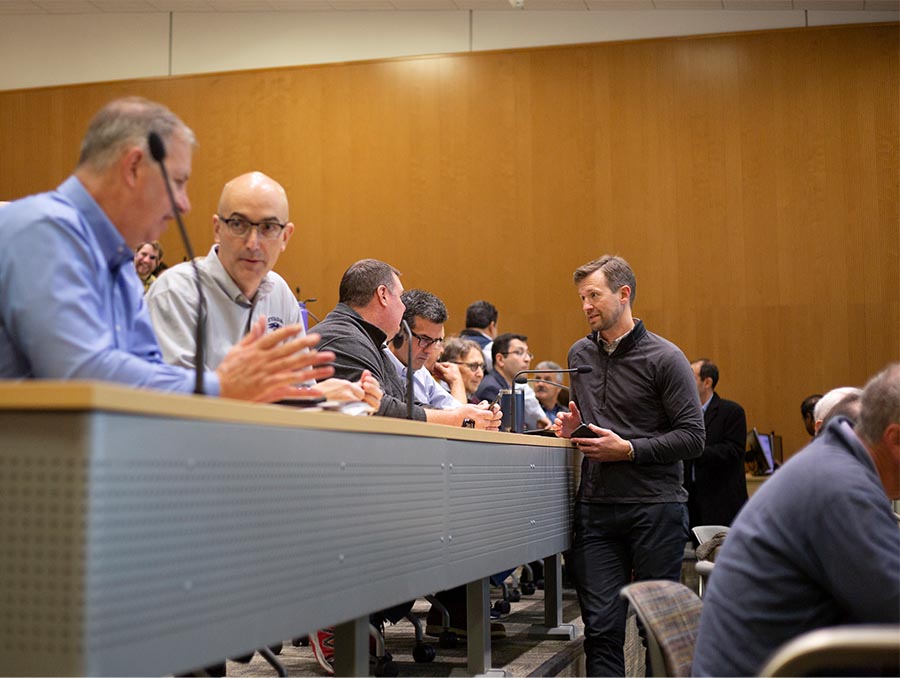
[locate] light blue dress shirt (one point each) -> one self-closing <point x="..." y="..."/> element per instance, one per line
<point x="426" y="389"/>
<point x="71" y="304"/>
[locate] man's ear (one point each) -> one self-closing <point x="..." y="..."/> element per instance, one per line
<point x="381" y="294"/>
<point x="286" y="235"/>
<point x="130" y="164"/>
<point x="891" y="439"/>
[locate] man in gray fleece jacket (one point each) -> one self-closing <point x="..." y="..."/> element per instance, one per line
<point x="368" y="314"/>
<point x="640" y="401"/>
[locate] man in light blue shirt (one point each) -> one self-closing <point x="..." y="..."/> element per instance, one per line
<point x="426" y="315"/>
<point x="71" y="303"/>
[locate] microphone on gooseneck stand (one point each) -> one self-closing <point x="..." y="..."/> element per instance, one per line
<point x="519" y="379"/>
<point x="158" y="152"/>
<point x="409" y="372"/>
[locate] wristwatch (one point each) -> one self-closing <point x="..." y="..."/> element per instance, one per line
<point x="630" y="451"/>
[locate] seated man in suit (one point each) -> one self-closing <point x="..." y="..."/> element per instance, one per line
<point x="511" y="355"/>
<point x="815" y="546"/>
<point x="715" y="481"/>
<point x="481" y="327"/>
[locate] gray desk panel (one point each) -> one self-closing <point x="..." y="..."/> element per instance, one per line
<point x="150" y="545"/>
<point x="507" y="505"/>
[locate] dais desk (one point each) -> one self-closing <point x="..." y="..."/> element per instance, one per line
<point x="148" y="534"/>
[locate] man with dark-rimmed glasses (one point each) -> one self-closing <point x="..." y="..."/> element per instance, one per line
<point x="426" y="315"/>
<point x="251" y="229"/>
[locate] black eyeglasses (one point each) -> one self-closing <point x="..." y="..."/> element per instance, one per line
<point x="472" y="366"/>
<point x="425" y="342"/>
<point x="519" y="352"/>
<point x="240" y="227"/>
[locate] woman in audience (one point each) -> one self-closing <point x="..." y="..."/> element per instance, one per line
<point x="467" y="355"/>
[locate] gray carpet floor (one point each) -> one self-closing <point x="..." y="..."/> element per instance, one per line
<point x="517" y="654"/>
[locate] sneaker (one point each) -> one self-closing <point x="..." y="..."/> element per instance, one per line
<point x="322" y="644"/>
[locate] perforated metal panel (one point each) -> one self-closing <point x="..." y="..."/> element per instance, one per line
<point x="150" y="545"/>
<point x="42" y="522"/>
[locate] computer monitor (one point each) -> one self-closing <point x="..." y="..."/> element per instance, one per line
<point x="777" y="449"/>
<point x="761" y="451"/>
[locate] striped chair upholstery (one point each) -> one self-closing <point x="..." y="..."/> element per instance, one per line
<point x="670" y="614"/>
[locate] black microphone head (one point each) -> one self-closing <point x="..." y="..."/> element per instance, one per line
<point x="521" y="379"/>
<point x="584" y="369"/>
<point x="157" y="147"/>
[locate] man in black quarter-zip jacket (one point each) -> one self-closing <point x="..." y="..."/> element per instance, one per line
<point x="641" y="402"/>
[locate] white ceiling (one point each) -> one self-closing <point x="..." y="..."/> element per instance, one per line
<point x="128" y="6"/>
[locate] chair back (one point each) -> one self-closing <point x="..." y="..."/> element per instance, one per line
<point x="707" y="532"/>
<point x="670" y="614"/>
<point x="857" y="650"/>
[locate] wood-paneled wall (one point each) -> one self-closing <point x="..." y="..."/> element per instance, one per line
<point x="750" y="179"/>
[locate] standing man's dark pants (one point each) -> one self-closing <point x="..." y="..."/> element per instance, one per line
<point x="611" y="541"/>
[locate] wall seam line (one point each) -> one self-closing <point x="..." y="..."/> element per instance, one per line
<point x="171" y="38"/>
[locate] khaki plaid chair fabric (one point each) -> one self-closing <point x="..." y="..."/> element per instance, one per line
<point x="670" y="614"/>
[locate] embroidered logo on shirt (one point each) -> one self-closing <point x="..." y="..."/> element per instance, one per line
<point x="274" y="322"/>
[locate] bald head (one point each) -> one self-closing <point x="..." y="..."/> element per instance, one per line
<point x="248" y="255"/>
<point x="254" y="187"/>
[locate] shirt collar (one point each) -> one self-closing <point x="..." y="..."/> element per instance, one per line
<point x="228" y="286"/>
<point x="610" y="346"/>
<point x="395" y="361"/>
<point x="112" y="245"/>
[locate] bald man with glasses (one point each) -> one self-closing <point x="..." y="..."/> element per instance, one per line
<point x="251" y="229"/>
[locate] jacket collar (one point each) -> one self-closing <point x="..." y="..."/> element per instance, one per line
<point x="376" y="334"/>
<point x="627" y="342"/>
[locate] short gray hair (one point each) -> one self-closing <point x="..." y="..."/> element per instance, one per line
<point x="615" y="269"/>
<point x="549" y="365"/>
<point x="880" y="404"/>
<point x="832" y="398"/>
<point x="457" y="347"/>
<point x="124" y="123"/>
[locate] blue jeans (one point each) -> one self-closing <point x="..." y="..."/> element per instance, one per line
<point x="611" y="542"/>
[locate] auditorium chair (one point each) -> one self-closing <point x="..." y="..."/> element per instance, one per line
<point x="839" y="650"/>
<point x="670" y="615"/>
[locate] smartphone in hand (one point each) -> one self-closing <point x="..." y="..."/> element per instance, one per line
<point x="583" y="432"/>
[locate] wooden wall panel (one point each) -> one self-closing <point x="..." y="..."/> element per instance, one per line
<point x="750" y="179"/>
